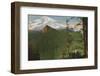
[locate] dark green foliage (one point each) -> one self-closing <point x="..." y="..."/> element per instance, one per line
<point x="55" y="44"/>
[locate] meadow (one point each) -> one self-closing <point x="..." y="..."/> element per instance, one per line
<point x="55" y="44"/>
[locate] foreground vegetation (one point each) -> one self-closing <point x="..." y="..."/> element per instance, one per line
<point x="55" y="44"/>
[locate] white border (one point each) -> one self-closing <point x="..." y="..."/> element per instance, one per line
<point x="25" y="64"/>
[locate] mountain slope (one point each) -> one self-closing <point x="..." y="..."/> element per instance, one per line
<point x="44" y="21"/>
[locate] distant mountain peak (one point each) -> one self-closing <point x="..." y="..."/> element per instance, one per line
<point x="44" y="21"/>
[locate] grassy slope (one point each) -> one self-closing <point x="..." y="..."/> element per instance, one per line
<point x="55" y="45"/>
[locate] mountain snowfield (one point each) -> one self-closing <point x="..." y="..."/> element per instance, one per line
<point x="41" y="23"/>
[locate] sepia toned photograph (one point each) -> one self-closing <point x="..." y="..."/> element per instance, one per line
<point x="57" y="37"/>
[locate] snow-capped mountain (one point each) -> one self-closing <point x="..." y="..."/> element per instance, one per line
<point x="44" y="21"/>
<point x="41" y="23"/>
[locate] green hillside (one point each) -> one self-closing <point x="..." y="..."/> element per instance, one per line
<point x="55" y="44"/>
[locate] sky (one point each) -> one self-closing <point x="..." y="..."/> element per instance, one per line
<point x="60" y="19"/>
